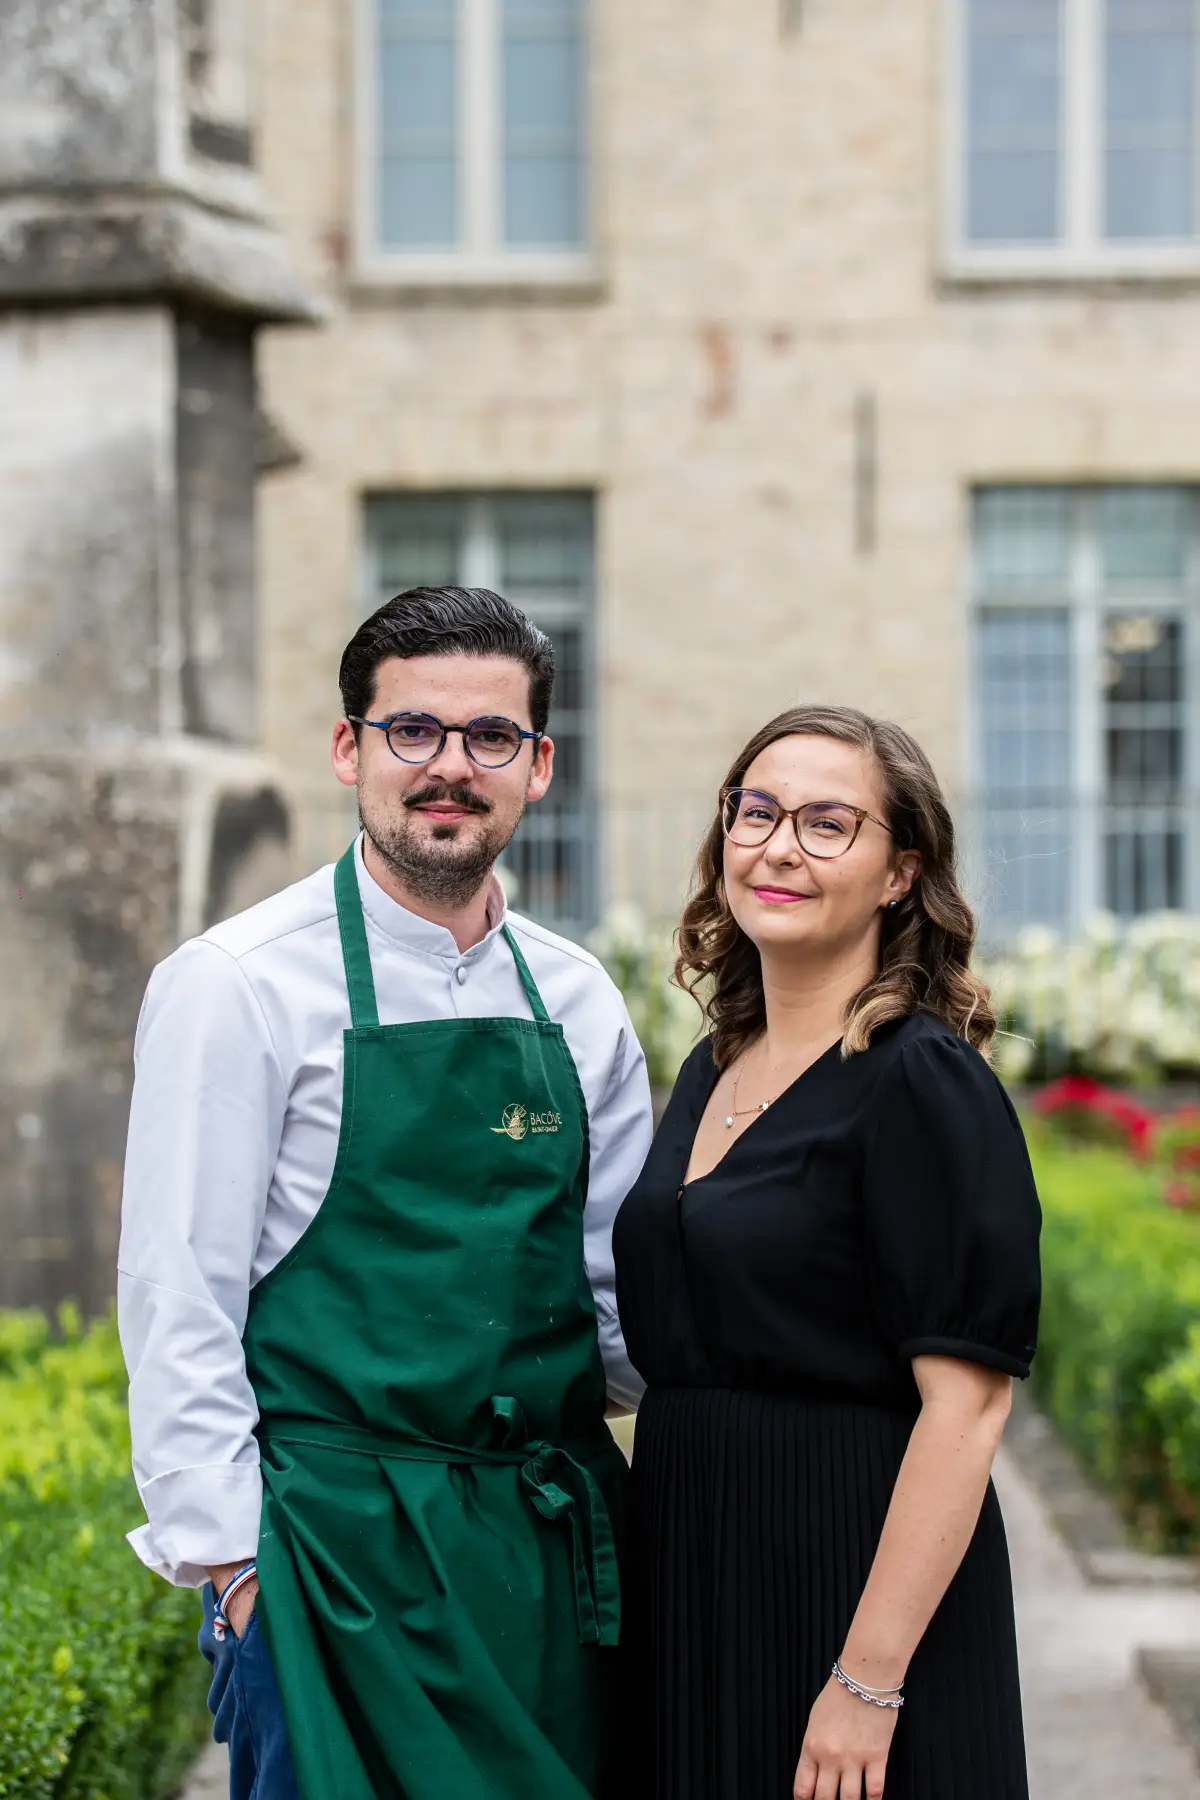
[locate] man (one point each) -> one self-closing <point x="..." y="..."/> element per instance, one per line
<point x="366" y="1282"/>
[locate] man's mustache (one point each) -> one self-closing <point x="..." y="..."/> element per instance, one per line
<point x="454" y="796"/>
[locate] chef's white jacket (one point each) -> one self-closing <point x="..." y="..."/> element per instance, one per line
<point x="233" y="1132"/>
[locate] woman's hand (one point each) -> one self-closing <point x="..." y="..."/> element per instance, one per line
<point x="845" y="1746"/>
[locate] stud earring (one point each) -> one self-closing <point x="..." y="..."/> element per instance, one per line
<point x="892" y="903"/>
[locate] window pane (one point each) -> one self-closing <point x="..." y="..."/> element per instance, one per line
<point x="544" y="123"/>
<point x="1025" y="688"/>
<point x="1150" y="118"/>
<point x="544" y="553"/>
<point x="1128" y="811"/>
<point x="541" y="548"/>
<point x="418" y="110"/>
<point x="1145" y="721"/>
<point x="414" y="541"/>
<point x="545" y="559"/>
<point x="545" y="545"/>
<point x="1143" y="534"/>
<point x="1026" y="702"/>
<point x="1022" y="539"/>
<point x="1014" y="120"/>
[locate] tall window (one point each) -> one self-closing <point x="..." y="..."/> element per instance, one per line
<point x="1077" y="134"/>
<point x="536" y="550"/>
<point x="1086" y="651"/>
<point x="475" y="136"/>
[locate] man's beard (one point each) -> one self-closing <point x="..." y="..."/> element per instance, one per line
<point x="438" y="870"/>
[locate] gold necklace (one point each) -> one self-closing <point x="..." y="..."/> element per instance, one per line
<point x="736" y="1112"/>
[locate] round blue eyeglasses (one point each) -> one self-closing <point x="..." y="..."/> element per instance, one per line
<point x="418" y="738"/>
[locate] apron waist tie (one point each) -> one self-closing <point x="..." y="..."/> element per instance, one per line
<point x="555" y="1484"/>
<point x="558" y="1488"/>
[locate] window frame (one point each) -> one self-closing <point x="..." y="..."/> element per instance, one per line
<point x="478" y="564"/>
<point x="1089" y="604"/>
<point x="1081" y="252"/>
<point x="481" y="259"/>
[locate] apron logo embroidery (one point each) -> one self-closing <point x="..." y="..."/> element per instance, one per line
<point x="514" y="1123"/>
<point x="517" y="1122"/>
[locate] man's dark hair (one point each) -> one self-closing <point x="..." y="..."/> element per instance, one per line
<point x="446" y="621"/>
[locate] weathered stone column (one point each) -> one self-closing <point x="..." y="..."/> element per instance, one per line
<point x="136" y="264"/>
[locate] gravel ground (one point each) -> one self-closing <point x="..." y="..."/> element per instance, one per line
<point x="210" y="1777"/>
<point x="1092" y="1731"/>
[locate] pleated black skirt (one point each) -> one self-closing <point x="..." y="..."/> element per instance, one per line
<point x="755" y="1522"/>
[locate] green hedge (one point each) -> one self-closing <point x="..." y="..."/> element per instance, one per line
<point x="1118" y="1363"/>
<point x="101" y="1685"/>
<point x="101" y="1688"/>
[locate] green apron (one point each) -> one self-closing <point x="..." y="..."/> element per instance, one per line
<point x="437" y="1561"/>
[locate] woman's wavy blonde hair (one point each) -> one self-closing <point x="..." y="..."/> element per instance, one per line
<point x="924" y="962"/>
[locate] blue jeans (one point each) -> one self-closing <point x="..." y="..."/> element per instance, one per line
<point x="247" y="1711"/>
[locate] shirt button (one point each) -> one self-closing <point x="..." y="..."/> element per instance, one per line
<point x="460" y="975"/>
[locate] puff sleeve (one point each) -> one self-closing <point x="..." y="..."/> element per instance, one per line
<point x="952" y="1213"/>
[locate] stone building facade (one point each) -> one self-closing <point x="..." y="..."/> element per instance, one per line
<point x="137" y="265"/>
<point x="765" y="349"/>
<point x="848" y="348"/>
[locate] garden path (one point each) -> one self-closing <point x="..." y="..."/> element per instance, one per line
<point x="1091" y="1728"/>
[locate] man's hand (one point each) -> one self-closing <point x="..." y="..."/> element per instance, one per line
<point x="242" y="1604"/>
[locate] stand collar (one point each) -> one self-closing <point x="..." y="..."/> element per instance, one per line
<point x="421" y="936"/>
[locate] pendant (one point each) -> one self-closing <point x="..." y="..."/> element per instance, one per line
<point x="729" y="1122"/>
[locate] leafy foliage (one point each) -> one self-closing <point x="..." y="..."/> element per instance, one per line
<point x="1174" y="1394"/>
<point x="1118" y="1364"/>
<point x="1177" y="1147"/>
<point x="101" y="1688"/>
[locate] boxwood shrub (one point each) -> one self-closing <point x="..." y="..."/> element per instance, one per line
<point x="1118" y="1364"/>
<point x="101" y="1686"/>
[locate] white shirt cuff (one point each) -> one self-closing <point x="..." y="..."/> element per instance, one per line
<point x="199" y="1519"/>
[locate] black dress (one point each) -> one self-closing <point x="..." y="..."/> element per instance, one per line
<point x="882" y="1209"/>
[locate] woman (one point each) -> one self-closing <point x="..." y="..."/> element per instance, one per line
<point x="828" y="1275"/>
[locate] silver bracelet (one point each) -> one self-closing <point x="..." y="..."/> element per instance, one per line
<point x="873" y="1696"/>
<point x="898" y="1689"/>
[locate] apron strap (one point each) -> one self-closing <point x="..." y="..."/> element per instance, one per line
<point x="356" y="954"/>
<point x="537" y="1004"/>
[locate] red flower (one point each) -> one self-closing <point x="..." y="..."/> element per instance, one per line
<point x="1068" y="1090"/>
<point x="1089" y="1102"/>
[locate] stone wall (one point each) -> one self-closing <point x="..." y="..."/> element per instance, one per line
<point x="86" y="535"/>
<point x="779" y="398"/>
<point x="136" y="266"/>
<point x="79" y="92"/>
<point x="128" y="818"/>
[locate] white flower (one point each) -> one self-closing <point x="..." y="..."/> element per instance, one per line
<point x="1037" y="941"/>
<point x="1123" y="997"/>
<point x="1102" y="929"/>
